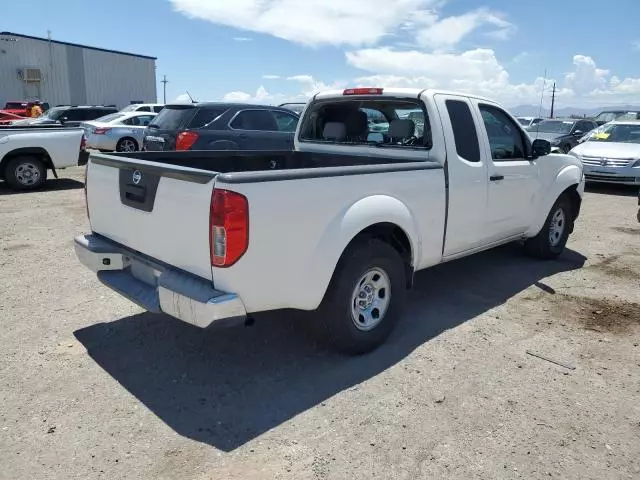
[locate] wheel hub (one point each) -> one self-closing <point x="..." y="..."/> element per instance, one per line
<point x="370" y="299"/>
<point x="556" y="229"/>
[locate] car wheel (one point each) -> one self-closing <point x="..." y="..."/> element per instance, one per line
<point x="127" y="144"/>
<point x="364" y="299"/>
<point x="552" y="238"/>
<point x="566" y="148"/>
<point x="25" y="173"/>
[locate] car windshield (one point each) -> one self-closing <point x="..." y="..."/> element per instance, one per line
<point x="524" y="122"/>
<point x="552" y="126"/>
<point x="622" y="115"/>
<point x="173" y="117"/>
<point x="617" y="133"/>
<point x="131" y="108"/>
<point x="109" y="118"/>
<point x="15" y="106"/>
<point x="54" y="113"/>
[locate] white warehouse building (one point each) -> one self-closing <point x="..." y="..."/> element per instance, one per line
<point x="62" y="73"/>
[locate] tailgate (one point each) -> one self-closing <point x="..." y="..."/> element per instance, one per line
<point x="156" y="209"/>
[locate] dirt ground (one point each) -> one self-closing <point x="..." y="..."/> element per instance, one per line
<point x="92" y="387"/>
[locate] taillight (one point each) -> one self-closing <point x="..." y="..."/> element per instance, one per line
<point x="101" y="130"/>
<point x="83" y="142"/>
<point x="185" y="140"/>
<point x="362" y="91"/>
<point x="86" y="202"/>
<point x="228" y="227"/>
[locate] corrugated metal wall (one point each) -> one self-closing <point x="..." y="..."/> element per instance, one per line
<point x="74" y="75"/>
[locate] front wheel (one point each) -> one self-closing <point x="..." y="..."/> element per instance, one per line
<point x="365" y="298"/>
<point x="552" y="238"/>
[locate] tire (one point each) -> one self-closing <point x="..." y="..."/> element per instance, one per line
<point x="375" y="271"/>
<point x="552" y="238"/>
<point x="25" y="173"/>
<point x="127" y="144"/>
<point x="566" y="148"/>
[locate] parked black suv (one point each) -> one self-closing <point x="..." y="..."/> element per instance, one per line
<point x="70" y="115"/>
<point x="221" y="126"/>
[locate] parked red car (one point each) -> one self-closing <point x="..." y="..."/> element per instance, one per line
<point x="23" y="109"/>
<point x="7" y="117"/>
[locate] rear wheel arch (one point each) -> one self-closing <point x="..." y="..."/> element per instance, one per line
<point x="391" y="234"/>
<point x="35" y="152"/>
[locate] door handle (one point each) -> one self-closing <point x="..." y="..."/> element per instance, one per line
<point x="495" y="178"/>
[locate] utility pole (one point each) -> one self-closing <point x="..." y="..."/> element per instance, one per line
<point x="553" y="98"/>
<point x="164" y="82"/>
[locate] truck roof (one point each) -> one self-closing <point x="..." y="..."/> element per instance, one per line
<point x="399" y="92"/>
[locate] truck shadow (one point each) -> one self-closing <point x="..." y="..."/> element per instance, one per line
<point x="50" y="185"/>
<point x="612" y="189"/>
<point x="224" y="387"/>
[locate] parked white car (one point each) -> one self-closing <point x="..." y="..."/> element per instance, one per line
<point x="120" y="132"/>
<point x="612" y="153"/>
<point x="27" y="153"/>
<point x="144" y="107"/>
<point x="338" y="226"/>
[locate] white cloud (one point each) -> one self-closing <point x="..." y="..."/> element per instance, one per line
<point x="243" y="39"/>
<point x="310" y="22"/>
<point x="449" y="31"/>
<point x="479" y="71"/>
<point x="309" y="86"/>
<point x="271" y="77"/>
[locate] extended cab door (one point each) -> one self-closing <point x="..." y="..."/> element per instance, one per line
<point x="466" y="169"/>
<point x="512" y="173"/>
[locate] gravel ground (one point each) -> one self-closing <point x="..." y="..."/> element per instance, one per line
<point x="92" y="387"/>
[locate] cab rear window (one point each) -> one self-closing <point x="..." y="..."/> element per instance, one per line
<point x="377" y="122"/>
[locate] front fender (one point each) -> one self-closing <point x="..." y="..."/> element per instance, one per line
<point x="568" y="176"/>
<point x="348" y="224"/>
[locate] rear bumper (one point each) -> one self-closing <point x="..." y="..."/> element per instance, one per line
<point x="157" y="287"/>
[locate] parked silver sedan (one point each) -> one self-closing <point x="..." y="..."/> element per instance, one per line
<point x="612" y="153"/>
<point x="120" y="132"/>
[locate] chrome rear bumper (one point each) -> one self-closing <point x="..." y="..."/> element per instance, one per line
<point x="155" y="286"/>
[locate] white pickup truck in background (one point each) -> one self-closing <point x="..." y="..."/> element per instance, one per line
<point x="339" y="225"/>
<point x="26" y="153"/>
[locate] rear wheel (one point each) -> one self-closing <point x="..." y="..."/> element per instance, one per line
<point x="365" y="298"/>
<point x="25" y="173"/>
<point x="552" y="238"/>
<point x="565" y="148"/>
<point x="126" y="144"/>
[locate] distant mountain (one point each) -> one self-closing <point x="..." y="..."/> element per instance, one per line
<point x="533" y="111"/>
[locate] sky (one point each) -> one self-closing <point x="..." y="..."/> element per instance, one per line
<point x="272" y="51"/>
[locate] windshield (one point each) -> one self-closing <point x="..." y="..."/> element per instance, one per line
<point x="552" y="126"/>
<point x="54" y="113"/>
<point x="173" y="117"/>
<point x="611" y="116"/>
<point x="617" y="133"/>
<point x="109" y="118"/>
<point x="15" y="106"/>
<point x="524" y="122"/>
<point x="130" y="108"/>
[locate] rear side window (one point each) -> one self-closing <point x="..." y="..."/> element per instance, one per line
<point x="464" y="130"/>
<point x="205" y="116"/>
<point x="77" y="114"/>
<point x="157" y="108"/>
<point x="143" y="109"/>
<point x="257" y="120"/>
<point x="286" y="122"/>
<point x="381" y="122"/>
<point x="174" y="117"/>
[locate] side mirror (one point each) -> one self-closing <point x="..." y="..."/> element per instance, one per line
<point x="578" y="132"/>
<point x="64" y="119"/>
<point x="541" y="147"/>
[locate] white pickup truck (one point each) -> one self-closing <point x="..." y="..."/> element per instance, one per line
<point x="339" y="225"/>
<point x="26" y="153"/>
